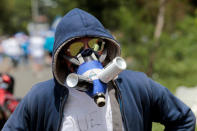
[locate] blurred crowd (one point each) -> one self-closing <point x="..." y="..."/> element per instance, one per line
<point x="22" y="48"/>
<point x="34" y="47"/>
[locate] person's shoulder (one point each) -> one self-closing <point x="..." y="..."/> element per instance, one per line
<point x="130" y="74"/>
<point x="40" y="93"/>
<point x="42" y="88"/>
<point x="134" y="78"/>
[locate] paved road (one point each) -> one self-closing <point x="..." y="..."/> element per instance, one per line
<point x="25" y="77"/>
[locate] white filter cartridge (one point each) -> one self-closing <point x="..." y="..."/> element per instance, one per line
<point x="79" y="82"/>
<point x="112" y="69"/>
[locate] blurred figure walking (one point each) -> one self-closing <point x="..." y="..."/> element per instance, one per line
<point x="23" y="40"/>
<point x="8" y="102"/>
<point x="36" y="49"/>
<point x="48" y="46"/>
<point x="11" y="48"/>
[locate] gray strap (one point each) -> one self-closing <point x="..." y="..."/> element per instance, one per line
<point x="72" y="60"/>
<point x="103" y="55"/>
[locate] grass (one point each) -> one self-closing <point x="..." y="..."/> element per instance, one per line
<point x="157" y="127"/>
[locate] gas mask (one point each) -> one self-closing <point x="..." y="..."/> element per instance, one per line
<point x="91" y="77"/>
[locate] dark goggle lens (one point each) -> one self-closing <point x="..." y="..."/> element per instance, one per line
<point x="75" y="48"/>
<point x="96" y="44"/>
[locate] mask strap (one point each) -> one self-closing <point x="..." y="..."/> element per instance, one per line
<point x="103" y="55"/>
<point x="72" y="60"/>
<point x="83" y="59"/>
<point x="77" y="62"/>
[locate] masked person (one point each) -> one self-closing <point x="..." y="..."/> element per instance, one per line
<point x="130" y="102"/>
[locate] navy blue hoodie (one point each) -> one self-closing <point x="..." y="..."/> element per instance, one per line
<point x="142" y="101"/>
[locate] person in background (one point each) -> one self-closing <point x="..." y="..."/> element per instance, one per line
<point x="23" y="40"/>
<point x="132" y="100"/>
<point x="1" y="50"/>
<point x="48" y="46"/>
<point x="36" y="50"/>
<point x="8" y="102"/>
<point x="11" y="48"/>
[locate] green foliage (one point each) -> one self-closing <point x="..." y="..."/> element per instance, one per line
<point x="21" y="15"/>
<point x="136" y="38"/>
<point x="104" y="10"/>
<point x="62" y="7"/>
<point x="157" y="127"/>
<point x="14" y="16"/>
<point x="176" y="57"/>
<point x="6" y="9"/>
<point x="175" y="63"/>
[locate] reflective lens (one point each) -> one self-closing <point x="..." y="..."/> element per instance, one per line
<point x="96" y="44"/>
<point x="75" y="48"/>
<point x="93" y="43"/>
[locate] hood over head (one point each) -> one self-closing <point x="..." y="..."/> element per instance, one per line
<point x="76" y="24"/>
